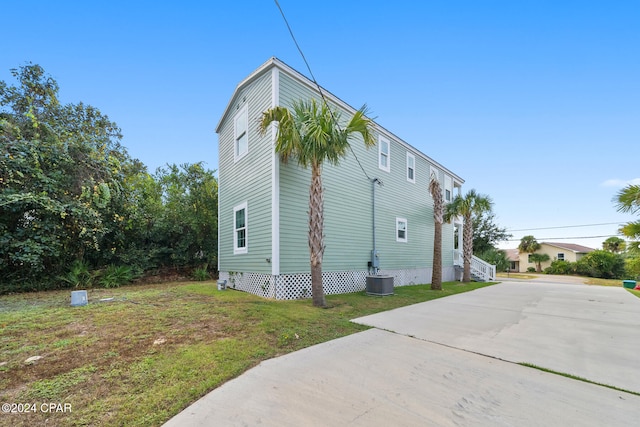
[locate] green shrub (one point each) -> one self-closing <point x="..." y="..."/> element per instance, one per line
<point x="531" y="270"/>
<point x="560" y="267"/>
<point x="78" y="275"/>
<point x="496" y="257"/>
<point x="115" y="276"/>
<point x="601" y="264"/>
<point x="201" y="274"/>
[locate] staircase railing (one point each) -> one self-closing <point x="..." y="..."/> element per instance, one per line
<point x="480" y="269"/>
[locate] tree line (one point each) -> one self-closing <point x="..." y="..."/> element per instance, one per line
<point x="76" y="208"/>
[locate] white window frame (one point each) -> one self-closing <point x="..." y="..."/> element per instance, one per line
<point x="412" y="158"/>
<point x="448" y="189"/>
<point x="560" y="256"/>
<point x="406" y="230"/>
<point x="238" y="132"/>
<point x="383" y="140"/>
<point x="241" y="250"/>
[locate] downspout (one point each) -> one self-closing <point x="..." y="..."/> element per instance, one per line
<point x="375" y="261"/>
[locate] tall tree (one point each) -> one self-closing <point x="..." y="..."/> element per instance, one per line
<point x="438" y="217"/>
<point x="471" y="204"/>
<point x="486" y="233"/>
<point x="311" y="134"/>
<point x="61" y="168"/>
<point x="528" y="245"/>
<point x="614" y="244"/>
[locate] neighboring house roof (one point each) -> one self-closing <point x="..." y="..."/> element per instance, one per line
<point x="512" y="254"/>
<point x="579" y="249"/>
<point x="275" y="62"/>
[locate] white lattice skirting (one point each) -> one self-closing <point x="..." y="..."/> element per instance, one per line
<point x="297" y="286"/>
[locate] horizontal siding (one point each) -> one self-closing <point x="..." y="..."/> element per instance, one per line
<point x="348" y="207"/>
<point x="247" y="180"/>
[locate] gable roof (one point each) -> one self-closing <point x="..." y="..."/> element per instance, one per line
<point x="512" y="254"/>
<point x="579" y="249"/>
<point x="274" y="62"/>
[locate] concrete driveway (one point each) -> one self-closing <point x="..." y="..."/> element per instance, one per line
<point x="454" y="361"/>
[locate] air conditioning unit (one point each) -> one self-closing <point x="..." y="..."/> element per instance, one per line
<point x="380" y="285"/>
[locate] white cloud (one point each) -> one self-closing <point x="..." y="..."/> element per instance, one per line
<point x="620" y="183"/>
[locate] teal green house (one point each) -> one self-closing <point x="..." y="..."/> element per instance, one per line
<point x="378" y="210"/>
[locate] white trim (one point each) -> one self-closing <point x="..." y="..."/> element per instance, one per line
<point x="406" y="230"/>
<point x="245" y="249"/>
<point x="413" y="158"/>
<point x="381" y="140"/>
<point x="244" y="111"/>
<point x="275" y="180"/>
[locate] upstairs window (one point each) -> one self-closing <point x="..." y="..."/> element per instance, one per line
<point x="241" y="134"/>
<point x="411" y="168"/>
<point x="240" y="229"/>
<point x="448" y="187"/>
<point x="401" y="230"/>
<point x="384" y="154"/>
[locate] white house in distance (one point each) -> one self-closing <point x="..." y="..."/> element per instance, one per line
<point x="263" y="203"/>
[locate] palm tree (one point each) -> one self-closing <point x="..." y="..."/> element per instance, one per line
<point x="528" y="245"/>
<point x="311" y="134"/>
<point x="438" y="216"/>
<point x="628" y="201"/>
<point x="472" y="203"/>
<point x="614" y="244"/>
<point x="539" y="259"/>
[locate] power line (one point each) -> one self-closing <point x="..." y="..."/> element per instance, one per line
<point x="566" y="226"/>
<point x="566" y="238"/>
<point x="313" y="78"/>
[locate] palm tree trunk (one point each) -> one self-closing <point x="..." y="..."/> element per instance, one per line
<point x="436" y="277"/>
<point x="316" y="238"/>
<point x="467" y="248"/>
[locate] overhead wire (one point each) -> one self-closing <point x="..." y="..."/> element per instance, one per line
<point x="313" y="78"/>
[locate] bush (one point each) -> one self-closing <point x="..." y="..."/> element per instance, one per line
<point x="560" y="267"/>
<point x="115" y="276"/>
<point x="496" y="257"/>
<point x="78" y="275"/>
<point x="531" y="270"/>
<point x="201" y="274"/>
<point x="601" y="264"/>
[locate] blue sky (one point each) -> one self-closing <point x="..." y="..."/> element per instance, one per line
<point x="535" y="103"/>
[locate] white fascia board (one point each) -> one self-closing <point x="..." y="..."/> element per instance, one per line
<point x="275" y="179"/>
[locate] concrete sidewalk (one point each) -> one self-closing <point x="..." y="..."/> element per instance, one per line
<point x="422" y="366"/>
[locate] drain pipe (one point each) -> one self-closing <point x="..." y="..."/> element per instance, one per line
<point x="375" y="259"/>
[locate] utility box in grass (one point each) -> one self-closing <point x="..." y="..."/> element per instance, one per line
<point x="380" y="285"/>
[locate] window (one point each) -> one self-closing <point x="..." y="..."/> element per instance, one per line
<point x="240" y="229"/>
<point x="241" y="134"/>
<point x="384" y="154"/>
<point x="411" y="168"/>
<point x="401" y="230"/>
<point x="448" y="184"/>
<point x="561" y="257"/>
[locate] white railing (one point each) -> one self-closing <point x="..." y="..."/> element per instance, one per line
<point x="479" y="268"/>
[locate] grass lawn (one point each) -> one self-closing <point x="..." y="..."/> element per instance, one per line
<point x="142" y="357"/>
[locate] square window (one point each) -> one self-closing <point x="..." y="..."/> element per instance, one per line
<point x="240" y="229"/>
<point x="384" y="154"/>
<point x="241" y="134"/>
<point x="401" y="230"/>
<point x="411" y="168"/>
<point x="561" y="257"/>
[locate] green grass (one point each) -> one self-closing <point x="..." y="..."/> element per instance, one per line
<point x="577" y="378"/>
<point x="143" y="357"/>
